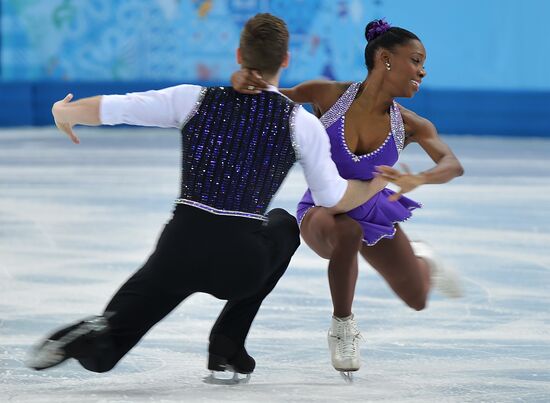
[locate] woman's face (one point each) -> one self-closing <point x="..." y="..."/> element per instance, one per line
<point x="407" y="68"/>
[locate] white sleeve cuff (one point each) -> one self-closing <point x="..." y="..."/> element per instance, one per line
<point x="110" y="109"/>
<point x="331" y="196"/>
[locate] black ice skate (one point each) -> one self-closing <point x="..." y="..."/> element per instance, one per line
<point x="69" y="342"/>
<point x="224" y="355"/>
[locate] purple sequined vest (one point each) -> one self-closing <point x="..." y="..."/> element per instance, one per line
<point x="236" y="151"/>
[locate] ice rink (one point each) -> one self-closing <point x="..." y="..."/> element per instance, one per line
<point x="77" y="220"/>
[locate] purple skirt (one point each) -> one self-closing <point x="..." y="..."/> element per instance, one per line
<point x="377" y="216"/>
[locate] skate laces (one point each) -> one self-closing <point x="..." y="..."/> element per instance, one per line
<point x="348" y="336"/>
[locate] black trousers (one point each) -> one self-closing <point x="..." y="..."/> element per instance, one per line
<point x="232" y="258"/>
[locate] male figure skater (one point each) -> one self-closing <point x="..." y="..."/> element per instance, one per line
<point x="236" y="151"/>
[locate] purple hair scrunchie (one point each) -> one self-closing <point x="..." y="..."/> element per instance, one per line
<point x="377" y="29"/>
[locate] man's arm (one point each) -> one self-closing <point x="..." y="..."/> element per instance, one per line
<point x="166" y="108"/>
<point x="357" y="193"/>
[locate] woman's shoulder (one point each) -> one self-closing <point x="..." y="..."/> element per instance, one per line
<point x="412" y="118"/>
<point x="415" y="124"/>
<point x="328" y="92"/>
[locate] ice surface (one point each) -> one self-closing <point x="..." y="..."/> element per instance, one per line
<point x="77" y="220"/>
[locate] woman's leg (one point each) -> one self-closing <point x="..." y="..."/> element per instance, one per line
<point x="338" y="238"/>
<point x="407" y="275"/>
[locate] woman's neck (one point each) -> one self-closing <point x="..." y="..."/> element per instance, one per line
<point x="373" y="98"/>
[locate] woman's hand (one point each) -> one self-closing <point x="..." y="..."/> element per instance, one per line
<point x="248" y="81"/>
<point x="61" y="118"/>
<point x="406" y="180"/>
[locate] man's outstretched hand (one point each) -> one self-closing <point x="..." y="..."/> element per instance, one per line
<point x="61" y="118"/>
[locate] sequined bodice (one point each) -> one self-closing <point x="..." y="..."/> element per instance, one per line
<point x="351" y="166"/>
<point x="237" y="149"/>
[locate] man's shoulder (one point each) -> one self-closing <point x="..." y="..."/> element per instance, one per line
<point x="306" y="120"/>
<point x="263" y="94"/>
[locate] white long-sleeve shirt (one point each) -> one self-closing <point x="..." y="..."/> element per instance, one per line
<point x="170" y="108"/>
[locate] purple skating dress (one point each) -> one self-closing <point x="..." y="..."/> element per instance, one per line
<point x="378" y="215"/>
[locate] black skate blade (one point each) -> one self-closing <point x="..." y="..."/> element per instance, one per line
<point x="226" y="378"/>
<point x="347" y="376"/>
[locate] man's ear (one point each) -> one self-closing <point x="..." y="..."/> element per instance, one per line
<point x="239" y="57"/>
<point x="286" y="60"/>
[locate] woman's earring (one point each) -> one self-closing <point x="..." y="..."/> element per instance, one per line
<point x="388" y="66"/>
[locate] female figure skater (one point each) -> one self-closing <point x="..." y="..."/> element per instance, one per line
<point x="367" y="130"/>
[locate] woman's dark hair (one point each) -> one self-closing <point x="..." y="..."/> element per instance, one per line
<point x="379" y="34"/>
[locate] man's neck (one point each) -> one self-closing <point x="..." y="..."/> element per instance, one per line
<point x="274" y="81"/>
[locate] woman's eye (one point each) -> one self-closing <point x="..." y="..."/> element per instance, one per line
<point x="416" y="61"/>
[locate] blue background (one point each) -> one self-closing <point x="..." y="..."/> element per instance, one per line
<point x="487" y="59"/>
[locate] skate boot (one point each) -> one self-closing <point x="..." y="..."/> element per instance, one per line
<point x="225" y="355"/>
<point x="69" y="342"/>
<point x="343" y="342"/>
<point x="443" y="278"/>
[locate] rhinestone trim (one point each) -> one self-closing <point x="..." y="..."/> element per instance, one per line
<point x="341" y="106"/>
<point x="397" y="126"/>
<point x="213" y="210"/>
<point x="354" y="157"/>
<point x="196" y="107"/>
<point x="394" y="229"/>
<point x="292" y="123"/>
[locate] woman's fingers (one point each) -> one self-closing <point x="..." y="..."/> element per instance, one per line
<point x="394" y="197"/>
<point x="387" y="172"/>
<point x="406" y="168"/>
<point x="254" y="82"/>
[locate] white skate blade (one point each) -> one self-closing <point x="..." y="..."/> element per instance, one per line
<point x="347" y="376"/>
<point x="47" y="355"/>
<point x="218" y="378"/>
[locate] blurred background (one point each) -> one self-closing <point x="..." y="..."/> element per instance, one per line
<point x="487" y="59"/>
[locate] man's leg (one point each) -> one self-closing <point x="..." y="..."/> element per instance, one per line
<point x="98" y="343"/>
<point x="228" y="334"/>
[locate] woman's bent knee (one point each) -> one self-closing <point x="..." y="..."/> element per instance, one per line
<point x="348" y="232"/>
<point x="418" y="303"/>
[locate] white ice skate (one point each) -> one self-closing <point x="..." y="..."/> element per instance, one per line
<point x="343" y="342"/>
<point x="443" y="278"/>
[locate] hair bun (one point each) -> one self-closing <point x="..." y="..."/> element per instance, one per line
<point x="376" y="28"/>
